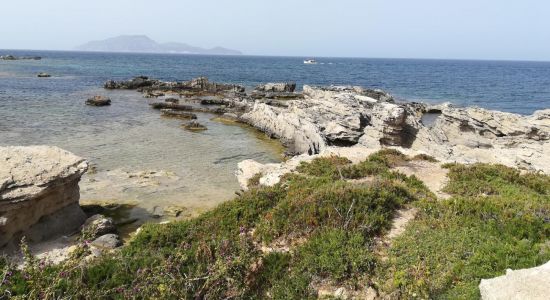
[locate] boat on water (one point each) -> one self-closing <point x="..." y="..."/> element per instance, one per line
<point x="310" y="62"/>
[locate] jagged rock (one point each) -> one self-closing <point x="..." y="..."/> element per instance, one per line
<point x="137" y="82"/>
<point x="532" y="284"/>
<point x="99" y="225"/>
<point x="287" y="87"/>
<point x="327" y="116"/>
<point x="194" y="126"/>
<point x="43" y="75"/>
<point x="98" y="101"/>
<point x="39" y="193"/>
<point x="107" y="242"/>
<point x="178" y="114"/>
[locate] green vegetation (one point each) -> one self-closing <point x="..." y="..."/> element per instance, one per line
<point x="320" y="225"/>
<point x="496" y="219"/>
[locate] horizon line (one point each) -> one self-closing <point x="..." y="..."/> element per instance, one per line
<point x="283" y="56"/>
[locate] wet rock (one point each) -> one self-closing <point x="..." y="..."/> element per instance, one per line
<point x="194" y="126"/>
<point x="98" y="101"/>
<point x="99" y="225"/>
<point x="8" y="57"/>
<point x="43" y="75"/>
<point x="39" y="193"/>
<point x="178" y="114"/>
<point x="169" y="105"/>
<point x="213" y="102"/>
<point x="153" y="94"/>
<point x="287" y="87"/>
<point x="107" y="242"/>
<point x="137" y="82"/>
<point x="530" y="284"/>
<point x="172" y="100"/>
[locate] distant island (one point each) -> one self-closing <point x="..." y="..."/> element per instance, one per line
<point x="143" y="44"/>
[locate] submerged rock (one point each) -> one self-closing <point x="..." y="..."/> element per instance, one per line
<point x="178" y="114"/>
<point x="98" y="101"/>
<point x="39" y="193"/>
<point x="194" y="126"/>
<point x="532" y="284"/>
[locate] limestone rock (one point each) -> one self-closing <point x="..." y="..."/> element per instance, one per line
<point x="532" y="284"/>
<point x="36" y="183"/>
<point x="287" y="87"/>
<point x="99" y="225"/>
<point x="98" y="101"/>
<point x="107" y="242"/>
<point x="194" y="126"/>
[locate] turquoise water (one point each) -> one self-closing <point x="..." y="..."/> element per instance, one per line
<point x="128" y="137"/>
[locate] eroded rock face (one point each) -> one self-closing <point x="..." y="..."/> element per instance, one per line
<point x="39" y="193"/>
<point x="344" y="116"/>
<point x="530" y="284"/>
<point x="337" y="115"/>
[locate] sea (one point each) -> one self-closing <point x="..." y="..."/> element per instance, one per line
<point x="129" y="140"/>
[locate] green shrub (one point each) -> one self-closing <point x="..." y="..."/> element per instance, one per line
<point x="454" y="243"/>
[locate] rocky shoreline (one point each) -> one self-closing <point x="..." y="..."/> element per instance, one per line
<point x="39" y="192"/>
<point x="320" y="119"/>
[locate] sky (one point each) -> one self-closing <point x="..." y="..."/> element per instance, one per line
<point x="447" y="29"/>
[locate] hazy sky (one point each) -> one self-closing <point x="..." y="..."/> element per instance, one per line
<point x="479" y="29"/>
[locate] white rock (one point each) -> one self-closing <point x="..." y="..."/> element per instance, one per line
<point x="39" y="183"/>
<point x="526" y="284"/>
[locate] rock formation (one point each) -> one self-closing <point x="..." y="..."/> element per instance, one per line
<point x="98" y="101"/>
<point x="532" y="284"/>
<point x="43" y="75"/>
<point x="39" y="193"/>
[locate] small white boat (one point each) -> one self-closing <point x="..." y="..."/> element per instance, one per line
<point x="310" y="62"/>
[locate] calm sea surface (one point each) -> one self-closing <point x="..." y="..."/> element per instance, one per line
<point x="130" y="137"/>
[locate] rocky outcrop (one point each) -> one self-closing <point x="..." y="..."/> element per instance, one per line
<point x="98" y="101"/>
<point x="287" y="87"/>
<point x="43" y="75"/>
<point x="327" y="116"/>
<point x="172" y="113"/>
<point x="39" y="193"/>
<point x="345" y="116"/>
<point x="193" y="126"/>
<point x="154" y="87"/>
<point x="137" y="82"/>
<point x="532" y="284"/>
<point x="11" y="57"/>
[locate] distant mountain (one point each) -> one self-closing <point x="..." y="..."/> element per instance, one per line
<point x="143" y="44"/>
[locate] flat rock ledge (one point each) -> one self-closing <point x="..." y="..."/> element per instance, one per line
<point x="39" y="194"/>
<point x="531" y="284"/>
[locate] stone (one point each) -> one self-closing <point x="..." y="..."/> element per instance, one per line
<point x="43" y="75"/>
<point x="532" y="284"/>
<point x="178" y="114"/>
<point x="107" y="242"/>
<point x="137" y="82"/>
<point x="194" y="126"/>
<point x="98" y="101"/>
<point x="39" y="193"/>
<point x="287" y="87"/>
<point x="99" y="225"/>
